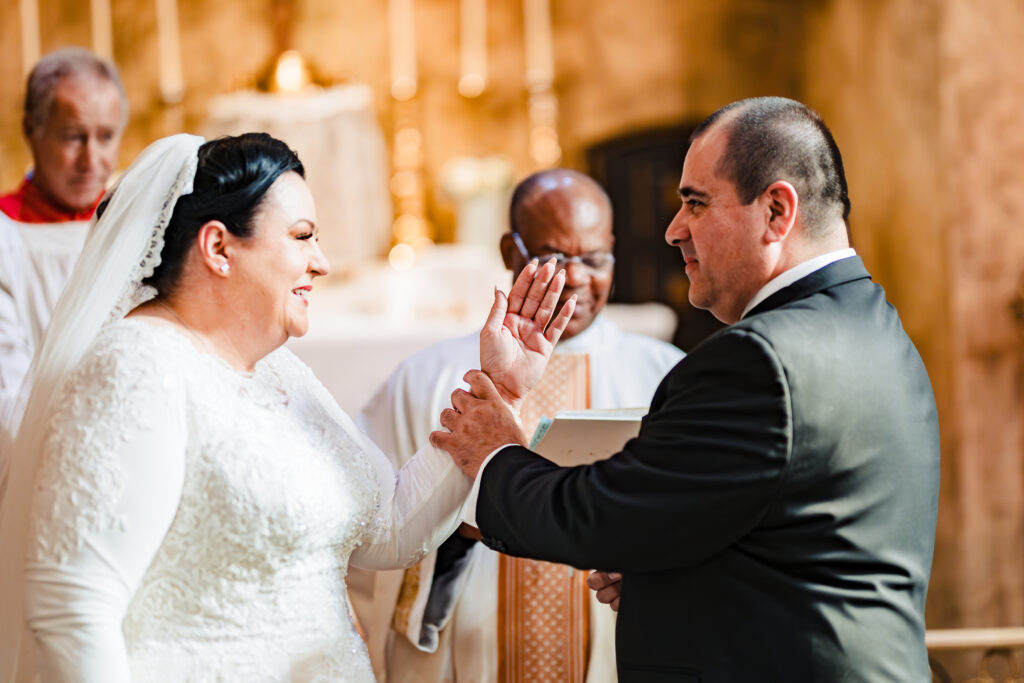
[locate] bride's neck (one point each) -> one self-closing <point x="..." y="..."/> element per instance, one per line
<point x="214" y="329"/>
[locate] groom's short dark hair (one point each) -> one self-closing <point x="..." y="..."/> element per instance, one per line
<point x="775" y="138"/>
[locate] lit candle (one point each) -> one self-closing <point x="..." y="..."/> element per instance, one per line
<point x="172" y="85"/>
<point x="540" y="66"/>
<point x="402" y="24"/>
<point x="102" y="32"/>
<point x="29" y="34"/>
<point x="473" y="44"/>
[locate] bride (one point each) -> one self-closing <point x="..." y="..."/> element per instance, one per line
<point x="198" y="495"/>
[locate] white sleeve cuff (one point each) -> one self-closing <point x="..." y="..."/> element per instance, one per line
<point x="469" y="507"/>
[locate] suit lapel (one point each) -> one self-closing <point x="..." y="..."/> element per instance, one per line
<point x="837" y="273"/>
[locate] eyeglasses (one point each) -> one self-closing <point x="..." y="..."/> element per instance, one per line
<point x="594" y="261"/>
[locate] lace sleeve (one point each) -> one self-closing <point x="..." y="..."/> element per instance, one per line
<point x="419" y="509"/>
<point x="106" y="492"/>
<point x="418" y="506"/>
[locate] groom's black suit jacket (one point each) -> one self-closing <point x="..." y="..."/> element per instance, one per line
<point x="775" y="518"/>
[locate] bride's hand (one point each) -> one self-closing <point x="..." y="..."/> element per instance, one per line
<point x="514" y="344"/>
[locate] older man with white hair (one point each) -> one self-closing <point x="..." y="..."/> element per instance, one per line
<point x="75" y="112"/>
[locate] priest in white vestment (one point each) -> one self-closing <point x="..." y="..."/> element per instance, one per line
<point x="468" y="613"/>
<point x="75" y="112"/>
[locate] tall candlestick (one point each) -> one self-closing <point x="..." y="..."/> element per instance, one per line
<point x="473" y="47"/>
<point x="172" y="85"/>
<point x="540" y="63"/>
<point x="540" y="77"/>
<point x="29" y="34"/>
<point x="402" y="24"/>
<point x="102" y="30"/>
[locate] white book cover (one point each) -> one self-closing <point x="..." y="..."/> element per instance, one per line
<point x="580" y="437"/>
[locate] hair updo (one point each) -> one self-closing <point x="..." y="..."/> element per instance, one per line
<point x="233" y="175"/>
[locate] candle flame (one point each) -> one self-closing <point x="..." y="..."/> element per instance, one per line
<point x="291" y="74"/>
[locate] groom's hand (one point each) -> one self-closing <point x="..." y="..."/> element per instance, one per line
<point x="522" y="330"/>
<point x="477" y="424"/>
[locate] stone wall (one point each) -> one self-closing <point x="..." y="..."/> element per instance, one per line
<point x="982" y="142"/>
<point x="874" y="71"/>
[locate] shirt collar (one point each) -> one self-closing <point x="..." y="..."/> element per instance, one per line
<point x="797" y="272"/>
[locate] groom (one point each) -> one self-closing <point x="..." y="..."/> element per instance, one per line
<point x="775" y="518"/>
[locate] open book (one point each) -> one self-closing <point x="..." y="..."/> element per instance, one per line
<point x="580" y="437"/>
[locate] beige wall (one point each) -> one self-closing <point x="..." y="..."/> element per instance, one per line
<point x="925" y="98"/>
<point x="874" y="72"/>
<point x="982" y="138"/>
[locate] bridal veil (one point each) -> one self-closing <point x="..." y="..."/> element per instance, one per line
<point x="122" y="249"/>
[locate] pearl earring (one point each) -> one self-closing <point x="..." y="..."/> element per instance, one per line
<point x="224" y="268"/>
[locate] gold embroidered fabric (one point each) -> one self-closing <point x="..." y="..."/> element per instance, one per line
<point x="406" y="598"/>
<point x="543" y="608"/>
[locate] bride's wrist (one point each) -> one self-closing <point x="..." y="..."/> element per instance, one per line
<point x="513" y="401"/>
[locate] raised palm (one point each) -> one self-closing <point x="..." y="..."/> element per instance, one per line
<point x="516" y="341"/>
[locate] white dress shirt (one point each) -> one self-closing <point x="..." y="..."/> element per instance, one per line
<point x="797" y="272"/>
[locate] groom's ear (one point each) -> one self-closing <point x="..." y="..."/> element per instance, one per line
<point x="213" y="239"/>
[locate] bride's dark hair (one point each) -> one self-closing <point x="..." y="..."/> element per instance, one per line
<point x="232" y="178"/>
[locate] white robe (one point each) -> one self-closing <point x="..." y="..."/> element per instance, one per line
<point x="625" y="370"/>
<point x="36" y="260"/>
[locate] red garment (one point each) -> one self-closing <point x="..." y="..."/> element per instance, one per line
<point x="28" y="205"/>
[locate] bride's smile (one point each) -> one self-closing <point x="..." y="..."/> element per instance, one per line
<point x="252" y="277"/>
<point x="272" y="272"/>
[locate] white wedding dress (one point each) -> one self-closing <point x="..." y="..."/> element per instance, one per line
<point x="194" y="523"/>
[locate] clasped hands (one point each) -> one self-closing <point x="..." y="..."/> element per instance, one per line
<point x="515" y="344"/>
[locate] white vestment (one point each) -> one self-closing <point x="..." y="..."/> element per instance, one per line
<point x="625" y="370"/>
<point x="195" y="523"/>
<point x="35" y="262"/>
